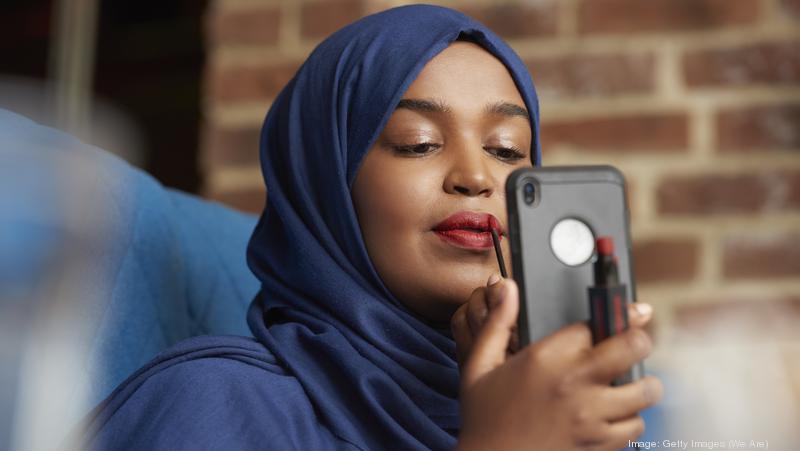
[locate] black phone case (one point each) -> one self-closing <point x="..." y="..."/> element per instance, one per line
<point x="552" y="293"/>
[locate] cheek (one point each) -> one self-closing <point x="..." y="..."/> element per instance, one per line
<point x="393" y="201"/>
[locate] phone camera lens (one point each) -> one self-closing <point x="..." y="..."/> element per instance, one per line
<point x="530" y="193"/>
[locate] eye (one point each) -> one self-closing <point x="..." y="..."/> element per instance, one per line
<point x="507" y="153"/>
<point x="417" y="149"/>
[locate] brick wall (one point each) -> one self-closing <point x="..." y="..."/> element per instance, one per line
<point x="697" y="101"/>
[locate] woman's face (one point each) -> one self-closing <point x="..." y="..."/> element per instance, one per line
<point x="458" y="132"/>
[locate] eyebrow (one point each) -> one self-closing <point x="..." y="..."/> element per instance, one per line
<point x="425" y="105"/>
<point x="506" y="109"/>
<point x="438" y="106"/>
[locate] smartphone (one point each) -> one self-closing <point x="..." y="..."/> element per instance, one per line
<point x="555" y="214"/>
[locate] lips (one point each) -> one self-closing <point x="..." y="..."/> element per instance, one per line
<point x="469" y="229"/>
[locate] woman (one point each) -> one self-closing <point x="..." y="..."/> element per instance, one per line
<point x="392" y="125"/>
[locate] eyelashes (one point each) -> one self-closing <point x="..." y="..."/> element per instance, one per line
<point x="417" y="149"/>
<point x="504" y="153"/>
<point x="511" y="153"/>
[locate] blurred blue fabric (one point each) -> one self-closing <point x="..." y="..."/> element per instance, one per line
<point x="172" y="265"/>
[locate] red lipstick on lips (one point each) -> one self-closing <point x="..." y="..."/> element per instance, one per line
<point x="469" y="229"/>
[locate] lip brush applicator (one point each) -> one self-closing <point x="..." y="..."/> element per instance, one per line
<point x="496" y="240"/>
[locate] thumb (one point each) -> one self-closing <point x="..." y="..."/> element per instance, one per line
<point x="489" y="347"/>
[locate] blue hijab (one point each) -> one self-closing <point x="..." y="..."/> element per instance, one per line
<point x="336" y="357"/>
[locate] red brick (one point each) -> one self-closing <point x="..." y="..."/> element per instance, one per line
<point x="252" y="26"/>
<point x="792" y="7"/>
<point x="516" y="20"/>
<point x="744" y="317"/>
<point x="712" y="194"/>
<point x="593" y="75"/>
<point x="626" y="16"/>
<point x="761" y="256"/>
<point x="233" y="84"/>
<point x="766" y="63"/>
<point x="247" y="200"/>
<point x="233" y="146"/>
<point x="665" y="260"/>
<point x="321" y="18"/>
<point x="759" y="127"/>
<point x="657" y="132"/>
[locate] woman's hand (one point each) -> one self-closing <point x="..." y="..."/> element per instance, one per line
<point x="468" y="320"/>
<point x="553" y="394"/>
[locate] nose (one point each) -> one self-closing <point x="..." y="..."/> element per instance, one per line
<point x="469" y="174"/>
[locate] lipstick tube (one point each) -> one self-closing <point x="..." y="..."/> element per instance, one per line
<point x="608" y="303"/>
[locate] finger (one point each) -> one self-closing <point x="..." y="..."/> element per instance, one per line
<point x="489" y="347"/>
<point x="622" y="431"/>
<point x="477" y="310"/>
<point x="618" y="403"/>
<point x="493" y="288"/>
<point x="461" y="333"/>
<point x="616" y="355"/>
<point x="566" y="345"/>
<point x="639" y="314"/>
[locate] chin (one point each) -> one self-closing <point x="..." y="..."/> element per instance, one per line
<point x="436" y="301"/>
<point x="438" y="309"/>
<point x="464" y="280"/>
<point x="448" y="304"/>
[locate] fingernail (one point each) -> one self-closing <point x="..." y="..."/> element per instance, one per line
<point x="494" y="279"/>
<point x="643" y="309"/>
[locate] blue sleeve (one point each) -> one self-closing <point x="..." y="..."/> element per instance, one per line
<point x="214" y="404"/>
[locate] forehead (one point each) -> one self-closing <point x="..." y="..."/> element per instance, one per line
<point x="465" y="75"/>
